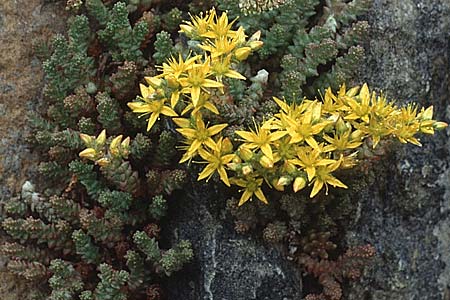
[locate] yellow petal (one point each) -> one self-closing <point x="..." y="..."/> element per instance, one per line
<point x="153" y="81"/>
<point x="187" y="132"/>
<point x="144" y="91"/>
<point x="174" y="98"/>
<point x="207" y="172"/>
<point x="211" y="84"/>
<point x="248" y="136"/>
<point x="213" y="130"/>
<point x="209" y="106"/>
<point x="318" y="184"/>
<point x="234" y="74"/>
<point x="196" y="144"/>
<point x="195" y="95"/>
<point x="245" y="196"/>
<point x="182" y="122"/>
<point x="336" y="182"/>
<point x="167" y="111"/>
<point x="152" y="120"/>
<point x="283" y="105"/>
<point x="277" y="135"/>
<point x="259" y="193"/>
<point x="223" y="175"/>
<point x="139" y="107"/>
<point x="311" y="171"/>
<point x="267" y="150"/>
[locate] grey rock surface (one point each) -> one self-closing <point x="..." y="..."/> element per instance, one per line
<point x="405" y="211"/>
<point x="24" y="25"/>
<point x="226" y="265"/>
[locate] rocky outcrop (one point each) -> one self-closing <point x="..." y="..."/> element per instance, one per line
<point x="405" y="213"/>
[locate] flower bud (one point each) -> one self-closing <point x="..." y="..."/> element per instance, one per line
<point x="236" y="159"/>
<point x="126" y="143"/>
<point x="102" y="162"/>
<point x="100" y="140"/>
<point x="426" y="114"/>
<point x="340" y="126"/>
<point x="88" y="153"/>
<point x="255" y="37"/>
<point x="356" y="135"/>
<point x="227" y="146"/>
<point x="234" y="166"/>
<point x="114" y="147"/>
<point x="247" y="169"/>
<point x="289" y="167"/>
<point x="266" y="162"/>
<point x="87" y="139"/>
<point x="440" y="125"/>
<point x="245" y="153"/>
<point x="255" y="45"/>
<point x="153" y="81"/>
<point x="284" y="180"/>
<point x="299" y="183"/>
<point x="277" y="186"/>
<point x="243" y="53"/>
<point x="172" y="82"/>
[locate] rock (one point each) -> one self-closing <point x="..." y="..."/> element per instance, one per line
<point x="226" y="265"/>
<point x="404" y="213"/>
<point x="23" y="26"/>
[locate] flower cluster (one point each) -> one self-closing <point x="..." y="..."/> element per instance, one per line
<point x="97" y="151"/>
<point x="302" y="144"/>
<point x="306" y="143"/>
<point x="185" y="84"/>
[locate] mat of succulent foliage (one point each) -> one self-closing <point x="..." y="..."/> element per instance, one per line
<point x="93" y="230"/>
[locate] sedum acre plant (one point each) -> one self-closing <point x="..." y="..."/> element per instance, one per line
<point x="304" y="143"/>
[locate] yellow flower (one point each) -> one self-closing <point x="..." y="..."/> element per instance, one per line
<point x="341" y="142"/>
<point x="199" y="25"/>
<point x="219" y="27"/>
<point x="261" y="138"/>
<point x="324" y="177"/>
<point x="202" y="103"/>
<point x="360" y="106"/>
<point x="252" y="187"/>
<point x="197" y="80"/>
<point x="303" y="128"/>
<point x="216" y="161"/>
<point x="154" y="108"/>
<point x="221" y="67"/>
<point x="310" y="159"/>
<point x="198" y="136"/>
<point x="219" y="47"/>
<point x="177" y="67"/>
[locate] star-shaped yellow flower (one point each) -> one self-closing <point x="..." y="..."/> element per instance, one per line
<point x="152" y="107"/>
<point x="261" y="138"/>
<point x="252" y="187"/>
<point x="198" y="136"/>
<point x="324" y="177"/>
<point x="197" y="80"/>
<point x="216" y="160"/>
